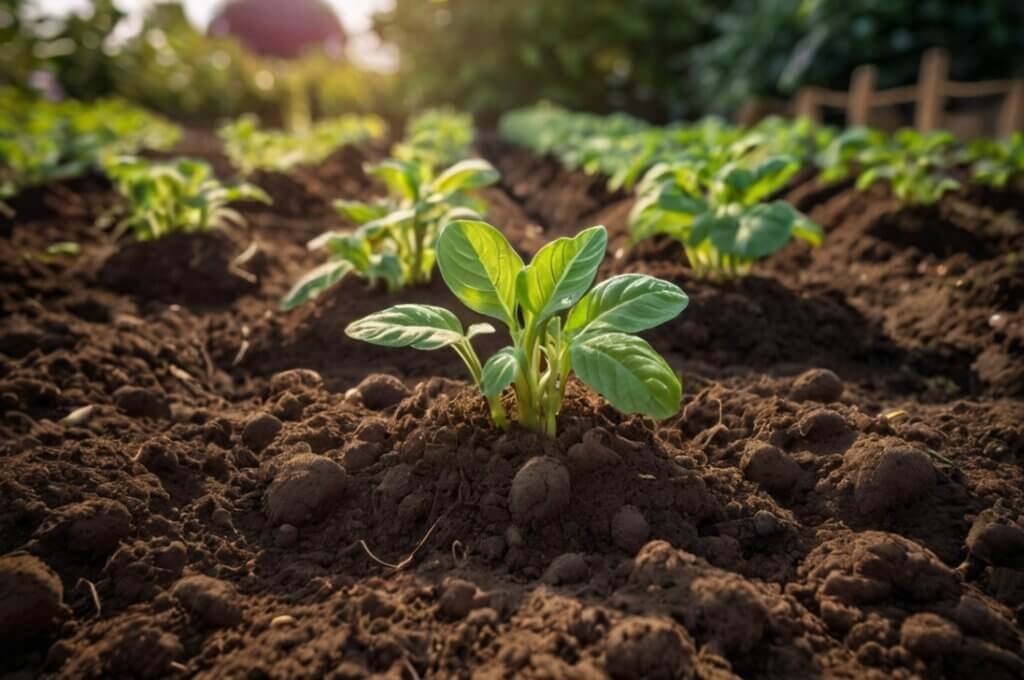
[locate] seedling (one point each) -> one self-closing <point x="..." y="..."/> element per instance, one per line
<point x="556" y="326"/>
<point x="396" y="237"/>
<point x="716" y="211"/>
<point x="914" y="164"/>
<point x="997" y="163"/>
<point x="251" y="148"/>
<point x="437" y="138"/>
<point x="183" y="195"/>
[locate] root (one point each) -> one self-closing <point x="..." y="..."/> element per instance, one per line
<point x="415" y="551"/>
<point x="92" y="592"/>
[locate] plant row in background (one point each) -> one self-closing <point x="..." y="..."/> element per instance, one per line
<point x="41" y="141"/>
<point x="430" y="180"/>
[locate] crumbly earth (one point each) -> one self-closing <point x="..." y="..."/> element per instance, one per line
<point x="195" y="484"/>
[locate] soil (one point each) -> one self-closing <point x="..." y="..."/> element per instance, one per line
<point x="196" y="484"/>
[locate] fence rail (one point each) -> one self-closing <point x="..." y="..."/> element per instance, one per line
<point x="929" y="96"/>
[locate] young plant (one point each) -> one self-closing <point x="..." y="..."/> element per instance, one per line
<point x="182" y="195"/>
<point x="437" y="138"/>
<point x="997" y="163"/>
<point x="915" y="165"/>
<point x="396" y="237"/>
<point x="556" y="326"/>
<point x="716" y="211"/>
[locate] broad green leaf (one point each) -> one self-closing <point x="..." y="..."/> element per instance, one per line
<point x="673" y="199"/>
<point x="316" y="282"/>
<point x="359" y="212"/>
<point x="627" y="372"/>
<point x="561" y="272"/>
<point x="760" y="231"/>
<point x="480" y="268"/>
<point x="423" y="327"/>
<point x="384" y="266"/>
<point x="499" y="372"/>
<point x="465" y="175"/>
<point x="629" y="303"/>
<point x="379" y="227"/>
<point x="707" y="224"/>
<point x="401" y="178"/>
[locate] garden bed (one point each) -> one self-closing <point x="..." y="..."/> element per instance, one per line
<point x="210" y="487"/>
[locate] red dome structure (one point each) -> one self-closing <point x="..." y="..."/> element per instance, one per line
<point x="279" y="28"/>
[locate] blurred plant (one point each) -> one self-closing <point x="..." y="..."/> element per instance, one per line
<point x="251" y="148"/>
<point x="716" y="208"/>
<point x="437" y="138"/>
<point x="396" y="236"/>
<point x="997" y="163"/>
<point x="41" y="141"/>
<point x="181" y="195"/>
<point x="771" y="47"/>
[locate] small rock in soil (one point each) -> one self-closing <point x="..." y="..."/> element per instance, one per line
<point x="540" y="491"/>
<point x="822" y="425"/>
<point x="94" y="527"/>
<point x="173" y="558"/>
<point x="380" y="391"/>
<point x="996" y="541"/>
<point x="139" y="402"/>
<point x="770" y="467"/>
<point x="766" y="524"/>
<point x="898" y="476"/>
<point x="295" y="380"/>
<point x="79" y="417"/>
<point x="567" y="569"/>
<point x="288" y="407"/>
<point x="260" y="430"/>
<point x="458" y="598"/>
<point x="647" y="647"/>
<point x="817" y="384"/>
<point x="31" y="598"/>
<point x="212" y="601"/>
<point x="630" y="529"/>
<point x="286" y="536"/>
<point x="930" y="636"/>
<point x="360" y="455"/>
<point x="304" y="490"/>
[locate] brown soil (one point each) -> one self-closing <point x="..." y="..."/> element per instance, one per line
<point x="196" y="484"/>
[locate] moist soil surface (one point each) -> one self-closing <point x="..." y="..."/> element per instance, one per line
<point x="196" y="484"/>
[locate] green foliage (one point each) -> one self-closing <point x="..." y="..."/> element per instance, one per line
<point x="997" y="163"/>
<point x="183" y="195"/>
<point x="916" y="165"/>
<point x="395" y="239"/>
<point x="251" y="148"/>
<point x="716" y="209"/>
<point x="556" y="326"/>
<point x="437" y="138"/>
<point x="771" y="47"/>
<point x="488" y="57"/>
<point x="41" y="141"/>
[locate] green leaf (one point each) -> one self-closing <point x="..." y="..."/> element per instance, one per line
<point x="465" y="175"/>
<point x="629" y="303"/>
<point x="384" y="266"/>
<point x="673" y="199"/>
<point x="379" y="227"/>
<point x="808" y="231"/>
<point x="401" y="178"/>
<point x="707" y="224"/>
<point x="358" y="212"/>
<point x="479" y="329"/>
<point x="480" y="268"/>
<point x="627" y="372"/>
<point x="423" y="327"/>
<point x="499" y="372"/>
<point x="561" y="272"/>
<point x="316" y="282"/>
<point x="63" y="248"/>
<point x="759" y="232"/>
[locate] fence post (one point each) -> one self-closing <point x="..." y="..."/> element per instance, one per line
<point x="930" y="89"/>
<point x="806" y="104"/>
<point x="1011" y="113"/>
<point x="862" y="88"/>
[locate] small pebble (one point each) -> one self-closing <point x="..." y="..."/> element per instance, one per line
<point x="286" y="536"/>
<point x="281" y="621"/>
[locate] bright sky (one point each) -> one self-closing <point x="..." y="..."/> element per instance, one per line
<point x="354" y="15"/>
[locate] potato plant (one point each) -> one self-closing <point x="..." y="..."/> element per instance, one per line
<point x="997" y="163"/>
<point x="717" y="211"/>
<point x="556" y="326"/>
<point x="182" y="195"/>
<point x="395" y="239"/>
<point x="251" y="148"/>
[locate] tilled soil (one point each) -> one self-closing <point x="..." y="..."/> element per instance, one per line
<point x="197" y="484"/>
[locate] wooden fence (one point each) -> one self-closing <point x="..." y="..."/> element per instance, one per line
<point x="930" y="96"/>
